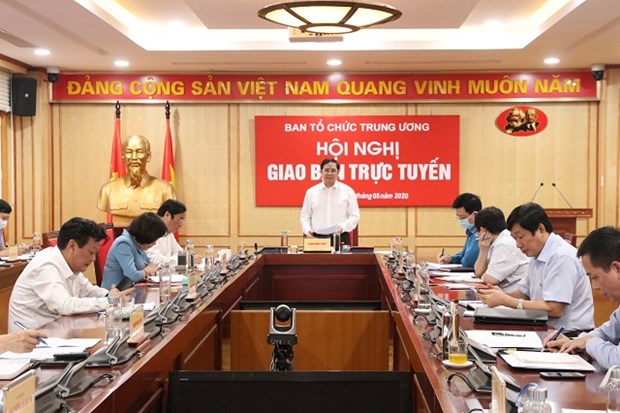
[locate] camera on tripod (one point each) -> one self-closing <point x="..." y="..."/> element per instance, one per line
<point x="282" y="330"/>
<point x="283" y="335"/>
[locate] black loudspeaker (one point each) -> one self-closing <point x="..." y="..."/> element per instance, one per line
<point x="24" y="96"/>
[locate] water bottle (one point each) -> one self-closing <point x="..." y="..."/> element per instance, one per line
<point x="209" y="257"/>
<point x="449" y="329"/>
<point x="113" y="319"/>
<point x="536" y="401"/>
<point x="165" y="277"/>
<point x="284" y="238"/>
<point x="36" y="243"/>
<point x="613" y="392"/>
<point x="336" y="243"/>
<point x="190" y="254"/>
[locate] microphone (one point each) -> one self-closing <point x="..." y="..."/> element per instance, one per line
<point x="561" y="194"/>
<point x="537" y="189"/>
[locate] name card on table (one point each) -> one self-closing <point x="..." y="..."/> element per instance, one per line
<point x="19" y="394"/>
<point x="136" y="326"/>
<point x="317" y="245"/>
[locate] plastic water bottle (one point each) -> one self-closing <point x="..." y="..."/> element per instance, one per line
<point x="164" y="285"/>
<point x="190" y="254"/>
<point x="209" y="257"/>
<point x="36" y="243"/>
<point x="613" y="392"/>
<point x="113" y="319"/>
<point x="536" y="401"/>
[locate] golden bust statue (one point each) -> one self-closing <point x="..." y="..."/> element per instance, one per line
<point x="137" y="192"/>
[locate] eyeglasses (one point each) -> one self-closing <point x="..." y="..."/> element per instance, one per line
<point x="330" y="171"/>
<point x="465" y="217"/>
<point x="180" y="219"/>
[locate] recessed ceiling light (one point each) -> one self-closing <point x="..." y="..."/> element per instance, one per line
<point x="552" y="61"/>
<point x="492" y="24"/>
<point x="42" y="52"/>
<point x="334" y="62"/>
<point x="121" y="63"/>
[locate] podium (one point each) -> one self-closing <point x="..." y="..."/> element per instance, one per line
<point x="564" y="221"/>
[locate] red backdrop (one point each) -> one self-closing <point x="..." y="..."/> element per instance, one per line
<point x="387" y="160"/>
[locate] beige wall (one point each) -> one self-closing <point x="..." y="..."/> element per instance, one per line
<point x="62" y="158"/>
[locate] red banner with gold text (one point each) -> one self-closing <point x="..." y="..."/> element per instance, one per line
<point x="387" y="160"/>
<point x="334" y="88"/>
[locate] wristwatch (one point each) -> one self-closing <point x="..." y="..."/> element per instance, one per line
<point x="520" y="304"/>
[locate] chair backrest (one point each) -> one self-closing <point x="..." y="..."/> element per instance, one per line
<point x="353" y="235"/>
<point x="102" y="255"/>
<point x="49" y="239"/>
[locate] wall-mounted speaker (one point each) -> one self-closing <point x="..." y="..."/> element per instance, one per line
<point x="24" y="96"/>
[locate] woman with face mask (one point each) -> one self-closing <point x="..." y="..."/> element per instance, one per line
<point x="5" y="214"/>
<point x="466" y="206"/>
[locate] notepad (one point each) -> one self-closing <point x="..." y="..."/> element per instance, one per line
<point x="506" y="338"/>
<point x="9" y="369"/>
<point x="546" y="361"/>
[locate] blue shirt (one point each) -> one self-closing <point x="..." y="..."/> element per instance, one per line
<point x="604" y="346"/>
<point x="468" y="256"/>
<point x="125" y="258"/>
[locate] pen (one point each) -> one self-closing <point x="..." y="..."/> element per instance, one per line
<point x="441" y="253"/>
<point x="498" y="333"/>
<point x="23" y="327"/>
<point x="555" y="336"/>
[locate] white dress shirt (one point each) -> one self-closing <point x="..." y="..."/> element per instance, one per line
<point x="505" y="262"/>
<point x="325" y="207"/>
<point x="48" y="289"/>
<point x="165" y="251"/>
<point x="556" y="274"/>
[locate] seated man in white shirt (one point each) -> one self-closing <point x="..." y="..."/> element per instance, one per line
<point x="166" y="249"/>
<point x="52" y="284"/>
<point x="330" y="206"/>
<point x="499" y="262"/>
<point x="600" y="256"/>
<point x="555" y="281"/>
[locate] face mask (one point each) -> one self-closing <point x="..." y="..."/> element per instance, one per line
<point x="3" y="224"/>
<point x="465" y="223"/>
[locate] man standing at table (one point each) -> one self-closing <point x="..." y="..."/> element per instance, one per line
<point x="166" y="249"/>
<point x="499" y="262"/>
<point x="600" y="256"/>
<point x="466" y="206"/>
<point x="330" y="206"/>
<point x="555" y="281"/>
<point x="52" y="284"/>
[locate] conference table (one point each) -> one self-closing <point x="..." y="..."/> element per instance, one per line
<point x="196" y="341"/>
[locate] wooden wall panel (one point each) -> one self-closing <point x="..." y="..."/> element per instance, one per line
<point x="59" y="177"/>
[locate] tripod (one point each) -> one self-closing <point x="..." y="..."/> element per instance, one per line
<point x="282" y="357"/>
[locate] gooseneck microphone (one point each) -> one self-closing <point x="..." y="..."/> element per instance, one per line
<point x="537" y="189"/>
<point x="561" y="194"/>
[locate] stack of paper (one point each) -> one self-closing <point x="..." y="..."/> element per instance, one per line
<point x="9" y="369"/>
<point x="546" y="361"/>
<point x="175" y="278"/>
<point x="54" y="346"/>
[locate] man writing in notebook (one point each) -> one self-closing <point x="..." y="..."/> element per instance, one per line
<point x="600" y="256"/>
<point x="555" y="281"/>
<point x="52" y="284"/>
<point x="465" y="206"/>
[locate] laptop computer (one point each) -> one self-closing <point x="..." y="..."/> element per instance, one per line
<point x="503" y="315"/>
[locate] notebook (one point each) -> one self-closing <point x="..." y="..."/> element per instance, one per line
<point x="503" y="315"/>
